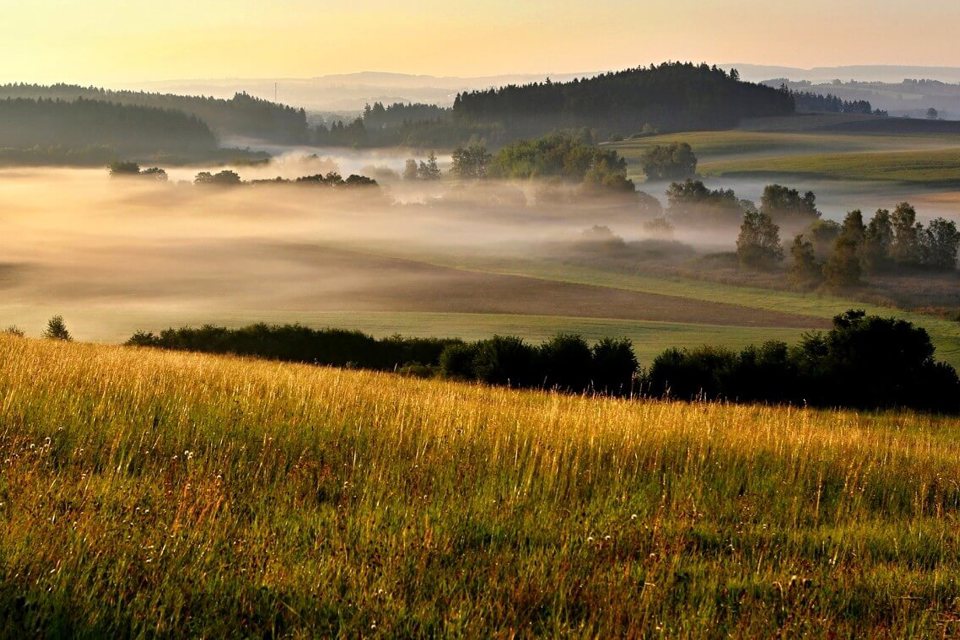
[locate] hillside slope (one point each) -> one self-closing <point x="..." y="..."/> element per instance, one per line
<point x="151" y="493"/>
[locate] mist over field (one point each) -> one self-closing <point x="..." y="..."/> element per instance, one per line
<point x="116" y="254"/>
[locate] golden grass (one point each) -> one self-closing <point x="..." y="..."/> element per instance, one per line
<point x="146" y="493"/>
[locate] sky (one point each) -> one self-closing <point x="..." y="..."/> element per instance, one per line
<point x="104" y="41"/>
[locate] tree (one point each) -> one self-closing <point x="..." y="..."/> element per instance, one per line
<point x="842" y="269"/>
<point x="57" y="330"/>
<point x="223" y="178"/>
<point x="693" y="203"/>
<point x="758" y="245"/>
<point x="124" y="169"/>
<point x="933" y="114"/>
<point x="155" y="173"/>
<point x="567" y="363"/>
<point x="669" y="162"/>
<point x="823" y="234"/>
<point x="905" y="249"/>
<point x="410" y="170"/>
<point x="505" y="360"/>
<point x="878" y="239"/>
<point x="785" y="205"/>
<point x="429" y="170"/>
<point x="614" y="366"/>
<point x="939" y="242"/>
<point x="471" y="162"/>
<point x="805" y="269"/>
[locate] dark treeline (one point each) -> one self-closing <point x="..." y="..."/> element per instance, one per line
<point x="864" y="362"/>
<point x="228" y="178"/>
<point x="673" y="96"/>
<point x="397" y="114"/>
<point x="816" y="103"/>
<point x="295" y="343"/>
<point x="243" y="115"/>
<point x="93" y="124"/>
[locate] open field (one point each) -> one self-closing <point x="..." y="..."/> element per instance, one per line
<point x="933" y="167"/>
<point x="335" y="279"/>
<point x="159" y="493"/>
<point x="917" y="160"/>
<point x="944" y="333"/>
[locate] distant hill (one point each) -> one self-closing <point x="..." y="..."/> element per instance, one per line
<point x="242" y="116"/>
<point x="911" y="97"/>
<point x="863" y="73"/>
<point x="348" y="93"/>
<point x="669" y="97"/>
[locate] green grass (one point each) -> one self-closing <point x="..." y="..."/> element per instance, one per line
<point x="944" y="333"/>
<point x="164" y="494"/>
<point x="930" y="167"/>
<point x="649" y="338"/>
<point x="913" y="159"/>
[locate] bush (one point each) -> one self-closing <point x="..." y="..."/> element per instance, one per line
<point x="614" y="367"/>
<point x="57" y="330"/>
<point x="567" y="363"/>
<point x="505" y="360"/>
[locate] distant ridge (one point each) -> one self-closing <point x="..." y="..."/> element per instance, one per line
<point x="863" y="73"/>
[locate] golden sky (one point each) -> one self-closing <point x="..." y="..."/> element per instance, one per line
<point x="103" y="41"/>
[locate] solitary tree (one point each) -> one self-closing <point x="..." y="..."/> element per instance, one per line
<point x="932" y="114"/>
<point x="57" y="330"/>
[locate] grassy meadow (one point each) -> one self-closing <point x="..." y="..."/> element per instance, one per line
<point x="146" y="493"/>
<point x="911" y="159"/>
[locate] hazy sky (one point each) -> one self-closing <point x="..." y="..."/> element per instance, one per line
<point x="101" y="41"/>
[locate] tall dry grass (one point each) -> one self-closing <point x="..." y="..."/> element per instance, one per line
<point x="146" y="493"/>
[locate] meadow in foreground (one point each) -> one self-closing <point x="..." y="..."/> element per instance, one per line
<point x="148" y="494"/>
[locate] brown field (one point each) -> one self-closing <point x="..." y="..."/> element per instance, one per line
<point x="301" y="277"/>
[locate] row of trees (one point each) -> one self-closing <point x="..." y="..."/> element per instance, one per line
<point x="568" y="156"/>
<point x="890" y="242"/>
<point x="864" y="361"/>
<point x="840" y="254"/>
<point x="229" y="178"/>
<point x="808" y="102"/>
<point x="296" y="343"/>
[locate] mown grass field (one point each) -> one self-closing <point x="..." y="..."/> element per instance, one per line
<point x="929" y="167"/>
<point x="919" y="159"/>
<point x="146" y="493"/>
<point x="944" y="333"/>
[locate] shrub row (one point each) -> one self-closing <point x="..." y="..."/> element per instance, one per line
<point x="865" y="362"/>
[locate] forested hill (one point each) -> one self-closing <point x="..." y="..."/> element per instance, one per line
<point x="242" y="115"/>
<point x="84" y="125"/>
<point x="673" y="96"/>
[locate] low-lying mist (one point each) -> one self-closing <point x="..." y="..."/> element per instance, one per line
<point x="119" y="254"/>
